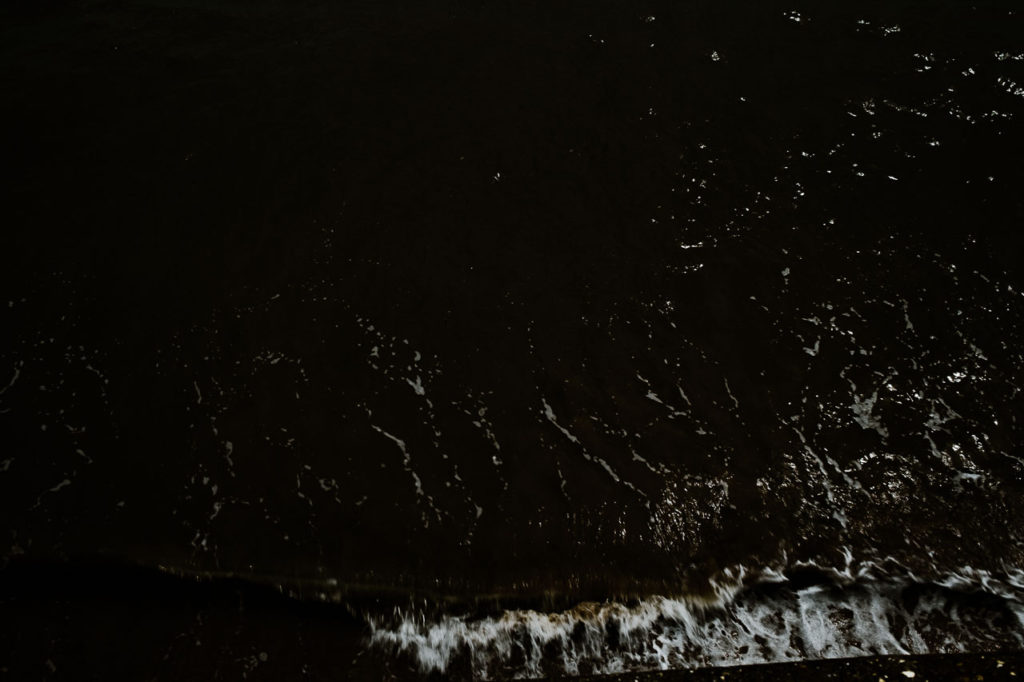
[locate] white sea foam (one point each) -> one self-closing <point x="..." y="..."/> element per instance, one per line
<point x="771" y="620"/>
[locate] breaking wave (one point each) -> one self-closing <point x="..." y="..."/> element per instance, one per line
<point x="806" y="613"/>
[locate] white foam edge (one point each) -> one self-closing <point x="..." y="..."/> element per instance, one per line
<point x="731" y="627"/>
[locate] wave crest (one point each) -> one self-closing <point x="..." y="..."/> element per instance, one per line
<point x="772" y="618"/>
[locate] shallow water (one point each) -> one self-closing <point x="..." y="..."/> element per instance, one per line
<point x="502" y="322"/>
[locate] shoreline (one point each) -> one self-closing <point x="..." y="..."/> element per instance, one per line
<point x="181" y="628"/>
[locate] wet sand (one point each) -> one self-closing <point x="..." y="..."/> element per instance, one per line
<point x="939" y="667"/>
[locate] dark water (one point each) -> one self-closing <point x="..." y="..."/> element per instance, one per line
<point x="537" y="337"/>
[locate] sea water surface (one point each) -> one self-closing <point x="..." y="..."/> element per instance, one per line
<point x="537" y="337"/>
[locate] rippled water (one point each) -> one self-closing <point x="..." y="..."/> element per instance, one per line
<point x="548" y="338"/>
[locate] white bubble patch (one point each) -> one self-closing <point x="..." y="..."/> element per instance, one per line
<point x="771" y="621"/>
